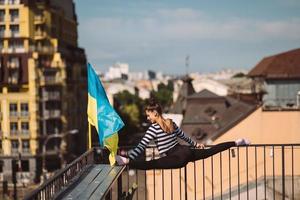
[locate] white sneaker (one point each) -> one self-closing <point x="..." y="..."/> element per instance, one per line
<point x="242" y="142"/>
<point x="122" y="160"/>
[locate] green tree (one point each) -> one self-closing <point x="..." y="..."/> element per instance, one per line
<point x="164" y="95"/>
<point x="130" y="108"/>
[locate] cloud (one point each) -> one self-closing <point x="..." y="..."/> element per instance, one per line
<point x="163" y="32"/>
<point x="187" y="24"/>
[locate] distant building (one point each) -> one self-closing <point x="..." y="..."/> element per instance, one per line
<point x="180" y="104"/>
<point x="42" y="83"/>
<point x="208" y="115"/>
<point x="279" y="78"/>
<point x="118" y="71"/>
<point x="211" y="85"/>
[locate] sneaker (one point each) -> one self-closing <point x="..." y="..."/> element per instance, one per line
<point x="122" y="160"/>
<point x="242" y="142"/>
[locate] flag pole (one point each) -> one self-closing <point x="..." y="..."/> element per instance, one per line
<point x="90" y="137"/>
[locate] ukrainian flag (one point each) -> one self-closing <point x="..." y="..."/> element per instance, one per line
<point x="102" y="115"/>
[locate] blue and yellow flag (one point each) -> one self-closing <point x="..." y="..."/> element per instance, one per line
<point x="102" y="115"/>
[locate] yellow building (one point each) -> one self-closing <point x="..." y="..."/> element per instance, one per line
<point x="43" y="85"/>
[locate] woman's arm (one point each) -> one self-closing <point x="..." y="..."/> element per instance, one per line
<point x="183" y="136"/>
<point x="150" y="135"/>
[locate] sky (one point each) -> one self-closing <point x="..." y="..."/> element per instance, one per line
<point x="159" y="34"/>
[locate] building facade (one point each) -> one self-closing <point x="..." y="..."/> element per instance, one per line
<point x="42" y="83"/>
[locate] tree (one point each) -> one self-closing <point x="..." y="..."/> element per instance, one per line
<point x="131" y="109"/>
<point x="164" y="95"/>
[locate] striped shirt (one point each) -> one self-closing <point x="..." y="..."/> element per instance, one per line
<point x="164" y="141"/>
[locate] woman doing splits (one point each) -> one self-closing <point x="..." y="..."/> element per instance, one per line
<point x="165" y="132"/>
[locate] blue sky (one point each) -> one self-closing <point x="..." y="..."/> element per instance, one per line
<point x="159" y="34"/>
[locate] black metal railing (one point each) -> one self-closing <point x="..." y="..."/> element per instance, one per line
<point x="53" y="186"/>
<point x="262" y="171"/>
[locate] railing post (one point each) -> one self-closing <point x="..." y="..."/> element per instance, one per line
<point x="185" y="183"/>
<point x="283" y="173"/>
<point x="120" y="186"/>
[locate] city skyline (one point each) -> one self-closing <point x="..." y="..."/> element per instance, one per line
<point x="158" y="35"/>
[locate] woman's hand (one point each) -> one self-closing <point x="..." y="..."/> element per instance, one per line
<point x="123" y="153"/>
<point x="122" y="160"/>
<point x="200" y="146"/>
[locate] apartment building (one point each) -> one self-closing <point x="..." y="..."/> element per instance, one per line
<point x="42" y="84"/>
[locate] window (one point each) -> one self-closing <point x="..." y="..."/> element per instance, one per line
<point x="24" y="127"/>
<point x="2" y="15"/>
<point x="13" y="1"/>
<point x="25" y="165"/>
<point x="13" y="128"/>
<point x="2" y="30"/>
<point x="14" y="30"/>
<point x="15" y="144"/>
<point x="14" y="15"/>
<point x="25" y="146"/>
<point x="15" y="44"/>
<point x="13" y="77"/>
<point x="13" y="109"/>
<point x="24" y="109"/>
<point x="14" y="62"/>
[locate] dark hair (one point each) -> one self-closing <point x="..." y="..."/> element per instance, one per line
<point x="153" y="105"/>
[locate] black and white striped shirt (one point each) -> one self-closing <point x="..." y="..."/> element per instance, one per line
<point x="164" y="141"/>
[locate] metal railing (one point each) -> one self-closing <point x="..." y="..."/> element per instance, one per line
<point x="264" y="171"/>
<point x="52" y="187"/>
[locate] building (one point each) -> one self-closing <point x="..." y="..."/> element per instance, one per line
<point x="279" y="77"/>
<point x="118" y="71"/>
<point x="42" y="83"/>
<point x="260" y="168"/>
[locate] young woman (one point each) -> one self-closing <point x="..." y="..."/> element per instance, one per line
<point x="165" y="132"/>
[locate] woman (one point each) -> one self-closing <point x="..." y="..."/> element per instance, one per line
<point x="165" y="132"/>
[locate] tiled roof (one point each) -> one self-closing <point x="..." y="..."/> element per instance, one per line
<point x="212" y="115"/>
<point x="283" y="65"/>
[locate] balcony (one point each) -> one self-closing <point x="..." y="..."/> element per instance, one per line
<point x="13" y="114"/>
<point x="14" y="133"/>
<point x="50" y="80"/>
<point x="25" y="132"/>
<point x="14" y="19"/>
<point x="16" y="49"/>
<point x="13" y="64"/>
<point x="48" y="96"/>
<point x="10" y="2"/>
<point x="25" y="151"/>
<point x="263" y="171"/>
<point x="39" y="35"/>
<point x="39" y="19"/>
<point x="45" y="49"/>
<point x="14" y="151"/>
<point x="50" y="114"/>
<point x="24" y="114"/>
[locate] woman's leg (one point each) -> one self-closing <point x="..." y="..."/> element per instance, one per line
<point x="177" y="159"/>
<point x="198" y="154"/>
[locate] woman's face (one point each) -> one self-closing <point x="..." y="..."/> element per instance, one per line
<point x="151" y="116"/>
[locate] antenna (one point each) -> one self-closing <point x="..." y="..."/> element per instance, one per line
<point x="187" y="63"/>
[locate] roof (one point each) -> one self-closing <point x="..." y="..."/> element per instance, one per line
<point x="208" y="115"/>
<point x="186" y="90"/>
<point x="281" y="66"/>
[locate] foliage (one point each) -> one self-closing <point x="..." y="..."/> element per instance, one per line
<point x="164" y="95"/>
